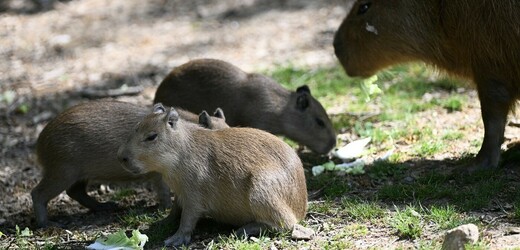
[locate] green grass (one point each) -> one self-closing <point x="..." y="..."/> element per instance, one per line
<point x="136" y="218"/>
<point x="407" y="223"/>
<point x="447" y="217"/>
<point x="428" y="148"/>
<point x="330" y="184"/>
<point x="358" y="210"/>
<point x="233" y="242"/>
<point x="123" y="193"/>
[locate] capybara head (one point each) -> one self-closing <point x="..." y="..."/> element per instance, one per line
<point x="307" y="122"/>
<point x="218" y="121"/>
<point x="150" y="145"/>
<point x="378" y="33"/>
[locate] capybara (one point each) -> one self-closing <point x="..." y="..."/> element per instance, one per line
<point x="240" y="176"/>
<point x="249" y="100"/>
<point x="474" y="40"/>
<point x="80" y="145"/>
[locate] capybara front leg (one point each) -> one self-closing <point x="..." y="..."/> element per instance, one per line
<point x="189" y="218"/>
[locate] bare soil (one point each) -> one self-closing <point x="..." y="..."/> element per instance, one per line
<point x="50" y="58"/>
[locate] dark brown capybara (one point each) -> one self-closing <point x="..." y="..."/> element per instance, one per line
<point x="477" y="40"/>
<point x="240" y="176"/>
<point x="80" y="145"/>
<point x="249" y="100"/>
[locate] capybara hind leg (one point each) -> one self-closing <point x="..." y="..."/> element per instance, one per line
<point x="47" y="189"/>
<point x="495" y="101"/>
<point x="275" y="214"/>
<point x="252" y="229"/>
<point x="78" y="192"/>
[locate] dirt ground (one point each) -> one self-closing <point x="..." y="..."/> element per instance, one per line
<point x="49" y="59"/>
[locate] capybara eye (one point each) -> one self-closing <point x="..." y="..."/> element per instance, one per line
<point x="363" y="8"/>
<point x="151" y="137"/>
<point x="320" y="122"/>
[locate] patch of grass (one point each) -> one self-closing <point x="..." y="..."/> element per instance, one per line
<point x="386" y="169"/>
<point x="453" y="103"/>
<point x="477" y="246"/>
<point x="326" y="84"/>
<point x="121" y="194"/>
<point x="445" y="217"/>
<point x="362" y="210"/>
<point x="428" y="148"/>
<point x="135" y="218"/>
<point x="407" y="222"/>
<point x="451" y="135"/>
<point x="329" y="183"/>
<point x="431" y="186"/>
<point x="367" y="129"/>
<point x="323" y="207"/>
<point x="466" y="192"/>
<point x="234" y="242"/>
<point x="354" y="230"/>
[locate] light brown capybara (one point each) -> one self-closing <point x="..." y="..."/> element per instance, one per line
<point x="249" y="100"/>
<point x="477" y="40"/>
<point x="80" y="145"/>
<point x="240" y="176"/>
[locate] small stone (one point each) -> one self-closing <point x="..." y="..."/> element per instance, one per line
<point x="456" y="238"/>
<point x="301" y="233"/>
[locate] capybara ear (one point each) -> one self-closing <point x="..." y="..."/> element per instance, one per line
<point x="302" y="100"/>
<point x="172" y="117"/>
<point x="303" y="88"/>
<point x="204" y="119"/>
<point x="158" y="108"/>
<point x="219" y="113"/>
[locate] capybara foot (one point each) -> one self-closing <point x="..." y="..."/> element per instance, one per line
<point x="251" y="229"/>
<point x="178" y="239"/>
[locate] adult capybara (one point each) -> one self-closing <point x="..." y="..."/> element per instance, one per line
<point x="80" y="145"/>
<point x="240" y="176"/>
<point x="478" y="40"/>
<point x="249" y="100"/>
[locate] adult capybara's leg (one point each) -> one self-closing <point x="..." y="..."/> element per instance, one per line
<point x="495" y="101"/>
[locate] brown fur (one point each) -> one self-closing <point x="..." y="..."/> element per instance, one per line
<point x="474" y="40"/>
<point x="80" y="145"/>
<point x="241" y="176"/>
<point x="250" y="100"/>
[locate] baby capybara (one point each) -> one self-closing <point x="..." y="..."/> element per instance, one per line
<point x="241" y="176"/>
<point x="249" y="100"/>
<point x="80" y="145"/>
<point x="477" y="40"/>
